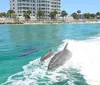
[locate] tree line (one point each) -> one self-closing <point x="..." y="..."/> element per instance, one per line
<point x="40" y="14"/>
<point x="78" y="15"/>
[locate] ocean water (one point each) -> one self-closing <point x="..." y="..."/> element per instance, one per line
<point x="82" y="69"/>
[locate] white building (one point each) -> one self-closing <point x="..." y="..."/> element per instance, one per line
<point x="20" y="6"/>
<point x="66" y="18"/>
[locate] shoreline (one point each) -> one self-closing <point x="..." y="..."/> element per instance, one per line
<point x="40" y="22"/>
<point x="65" y="23"/>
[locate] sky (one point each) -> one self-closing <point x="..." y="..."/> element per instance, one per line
<point x="70" y="6"/>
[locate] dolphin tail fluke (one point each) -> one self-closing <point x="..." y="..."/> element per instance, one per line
<point x="65" y="46"/>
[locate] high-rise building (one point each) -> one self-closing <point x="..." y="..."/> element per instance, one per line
<point x="47" y="6"/>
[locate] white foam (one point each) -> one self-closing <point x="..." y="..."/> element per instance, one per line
<point x="86" y="54"/>
<point x="86" y="59"/>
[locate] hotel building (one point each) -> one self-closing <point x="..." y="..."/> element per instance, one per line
<point x="47" y="6"/>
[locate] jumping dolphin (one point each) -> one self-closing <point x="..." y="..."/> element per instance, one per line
<point x="60" y="58"/>
<point x="47" y="55"/>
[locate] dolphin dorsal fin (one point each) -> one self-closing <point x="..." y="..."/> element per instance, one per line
<point x="65" y="46"/>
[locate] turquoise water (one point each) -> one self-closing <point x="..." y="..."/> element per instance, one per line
<point x="27" y="70"/>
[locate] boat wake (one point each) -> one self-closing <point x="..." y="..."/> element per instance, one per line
<point x="81" y="69"/>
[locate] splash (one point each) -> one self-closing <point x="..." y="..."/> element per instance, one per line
<point x="86" y="54"/>
<point x="83" y="65"/>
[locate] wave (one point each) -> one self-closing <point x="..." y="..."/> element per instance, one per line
<point x="84" y="65"/>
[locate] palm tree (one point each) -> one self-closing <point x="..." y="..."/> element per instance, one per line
<point x="87" y="15"/>
<point x="74" y="15"/>
<point x="10" y="13"/>
<point x="53" y="14"/>
<point x="3" y="14"/>
<point x="78" y="11"/>
<point x="92" y="16"/>
<point x="98" y="15"/>
<point x="14" y="16"/>
<point x="40" y="14"/>
<point x="0" y="15"/>
<point x="27" y="14"/>
<point x="63" y="14"/>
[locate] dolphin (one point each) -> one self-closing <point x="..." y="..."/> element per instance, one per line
<point x="47" y="55"/>
<point x="29" y="52"/>
<point x="59" y="58"/>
